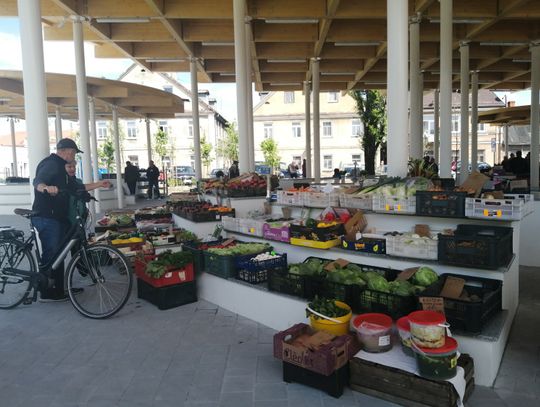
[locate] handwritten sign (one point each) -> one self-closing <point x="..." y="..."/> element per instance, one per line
<point x="432" y="304"/>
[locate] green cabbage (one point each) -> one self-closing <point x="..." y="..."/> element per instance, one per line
<point x="425" y="276"/>
<point x="402" y="288"/>
<point x="379" y="284"/>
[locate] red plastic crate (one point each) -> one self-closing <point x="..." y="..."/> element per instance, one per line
<point x="171" y="277"/>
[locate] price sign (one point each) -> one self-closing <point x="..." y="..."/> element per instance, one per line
<point x="432" y="304"/>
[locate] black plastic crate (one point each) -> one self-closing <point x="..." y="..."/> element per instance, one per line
<point x="465" y="315"/>
<point x="332" y="384"/>
<point x="147" y="216"/>
<point x="479" y="246"/>
<point x="225" y="266"/>
<point x="198" y="254"/>
<point x="167" y="297"/>
<point x="206" y="216"/>
<point x="448" y="204"/>
<point x="444" y="183"/>
<point x="240" y="193"/>
<point x="318" y="234"/>
<point x="365" y="245"/>
<point x="282" y="281"/>
<point x="255" y="272"/>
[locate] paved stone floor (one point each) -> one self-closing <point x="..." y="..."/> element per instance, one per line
<point x="198" y="355"/>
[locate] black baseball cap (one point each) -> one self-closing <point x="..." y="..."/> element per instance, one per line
<point x="67" y="143"/>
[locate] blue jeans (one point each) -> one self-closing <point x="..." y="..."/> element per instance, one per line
<point x="51" y="232"/>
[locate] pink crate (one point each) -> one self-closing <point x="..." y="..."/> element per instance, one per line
<point x="274" y="232"/>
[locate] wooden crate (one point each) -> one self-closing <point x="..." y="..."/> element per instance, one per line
<point x="407" y="389"/>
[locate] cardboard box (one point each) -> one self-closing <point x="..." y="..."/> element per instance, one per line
<point x="319" y="352"/>
<point x="354" y="225"/>
<point x="475" y="182"/>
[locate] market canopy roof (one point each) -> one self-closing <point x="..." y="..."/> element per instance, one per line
<point x="515" y="115"/>
<point x="133" y="101"/>
<point x="348" y="35"/>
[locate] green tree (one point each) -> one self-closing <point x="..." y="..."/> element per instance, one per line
<point x="269" y="148"/>
<point x="371" y="107"/>
<point x="106" y="155"/>
<point x="206" y="153"/>
<point x="161" y="144"/>
<point x="228" y="146"/>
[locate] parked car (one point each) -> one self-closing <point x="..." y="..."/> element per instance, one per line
<point x="481" y="166"/>
<point x="215" y="170"/>
<point x="350" y="169"/>
<point x="184" y="173"/>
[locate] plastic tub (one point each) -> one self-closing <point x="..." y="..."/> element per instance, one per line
<point x="428" y="328"/>
<point x="330" y="325"/>
<point x="404" y="330"/>
<point x="437" y="364"/>
<point x="373" y="331"/>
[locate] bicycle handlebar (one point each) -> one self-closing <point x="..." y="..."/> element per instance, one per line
<point x="81" y="195"/>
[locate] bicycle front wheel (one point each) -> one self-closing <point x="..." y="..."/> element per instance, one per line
<point x="99" y="287"/>
<point x="14" y="286"/>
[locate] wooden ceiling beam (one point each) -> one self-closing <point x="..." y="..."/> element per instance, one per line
<point x="213" y="52"/>
<point x="504" y="80"/>
<point x="277" y="77"/>
<point x="507" y="53"/>
<point x="141" y="32"/>
<point x="281" y="88"/>
<point x="381" y="50"/>
<point x="266" y="66"/>
<point x="358" y="30"/>
<point x="158" y="50"/>
<point x="302" y="50"/>
<point x="107" y="91"/>
<point x="347" y="65"/>
<point x="263" y="32"/>
<point x="421" y="6"/>
<point x="106" y="50"/>
<point x="182" y="66"/>
<point x="189" y="9"/>
<point x="361" y="9"/>
<point x="337" y="78"/>
<point x="330" y="51"/>
<point x="220" y="65"/>
<point x="65" y="33"/>
<point x="207" y="30"/>
<point x="116" y="8"/>
<point x="287" y="9"/>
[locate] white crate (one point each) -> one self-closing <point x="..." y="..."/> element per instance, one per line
<point x="511" y="207"/>
<point x="395" y="205"/>
<point x="290" y="198"/>
<point x="251" y="226"/>
<point x="356" y="201"/>
<point x="401" y="246"/>
<point x="230" y="223"/>
<point x="320" y="199"/>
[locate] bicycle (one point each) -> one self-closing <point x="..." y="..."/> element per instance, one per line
<point x="99" y="279"/>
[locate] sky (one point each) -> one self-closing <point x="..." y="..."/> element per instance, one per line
<point x="59" y="58"/>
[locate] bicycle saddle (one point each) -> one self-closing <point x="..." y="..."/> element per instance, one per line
<point x="27" y="213"/>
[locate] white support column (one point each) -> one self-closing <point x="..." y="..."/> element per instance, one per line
<point x="535" y="114"/>
<point x="307" y="92"/>
<point x="58" y="124"/>
<point x="446" y="88"/>
<point x="474" y="120"/>
<point x="195" y="115"/>
<point x="13" y="147"/>
<point x="148" y="140"/>
<point x="316" y="120"/>
<point x="240" y="46"/>
<point x="118" y="159"/>
<point x="397" y="26"/>
<point x="35" y="95"/>
<point x="416" y="117"/>
<point x="249" y="97"/>
<point x="93" y="145"/>
<point x="82" y="98"/>
<point x="436" y="134"/>
<point x="506" y="139"/>
<point x="464" y="105"/>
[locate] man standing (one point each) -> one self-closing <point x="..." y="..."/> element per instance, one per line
<point x="53" y="209"/>
<point x="234" y="171"/>
<point x="293" y="169"/>
<point x="152" y="174"/>
<point x="131" y="175"/>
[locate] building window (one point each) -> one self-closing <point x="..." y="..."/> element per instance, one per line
<point x="192" y="161"/>
<point x="190" y="129"/>
<point x="164" y="126"/>
<point x="101" y="130"/>
<point x="267" y="130"/>
<point x="167" y="88"/>
<point x="132" y="129"/>
<point x="134" y="159"/>
<point x="288" y="97"/>
<point x="481" y="154"/>
<point x="333" y="97"/>
<point x="296" y="130"/>
<point x="356" y="157"/>
<point x="455" y="126"/>
<point x="327" y="162"/>
<point x="356" y="128"/>
<point x="327" y="129"/>
<point x="429" y="127"/>
<point x="481" y="128"/>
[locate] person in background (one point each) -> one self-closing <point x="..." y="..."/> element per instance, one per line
<point x="293" y="169"/>
<point x="152" y="175"/>
<point x="433" y="165"/>
<point x="337" y="174"/>
<point x="304" y="172"/>
<point x="234" y="171"/>
<point x="519" y="165"/>
<point x="504" y="164"/>
<point x="220" y="174"/>
<point x="131" y="175"/>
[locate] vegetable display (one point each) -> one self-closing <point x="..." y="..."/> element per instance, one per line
<point x="325" y="307"/>
<point x="167" y="261"/>
<point x="424" y="277"/>
<point x="398" y="187"/>
<point x="240" y="249"/>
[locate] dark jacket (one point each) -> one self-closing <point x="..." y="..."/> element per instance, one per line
<point x="234" y="171"/>
<point x="131" y="173"/>
<point x="152" y="173"/>
<point x="52" y="171"/>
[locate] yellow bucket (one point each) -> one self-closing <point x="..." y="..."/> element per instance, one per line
<point x="332" y="327"/>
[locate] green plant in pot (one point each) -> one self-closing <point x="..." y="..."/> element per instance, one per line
<point x="166" y="262"/>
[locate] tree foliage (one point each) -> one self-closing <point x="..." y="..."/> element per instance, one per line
<point x="269" y="148"/>
<point x="206" y="153"/>
<point x="228" y="146"/>
<point x="371" y="107"/>
<point x="161" y="144"/>
<point x="106" y="155"/>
